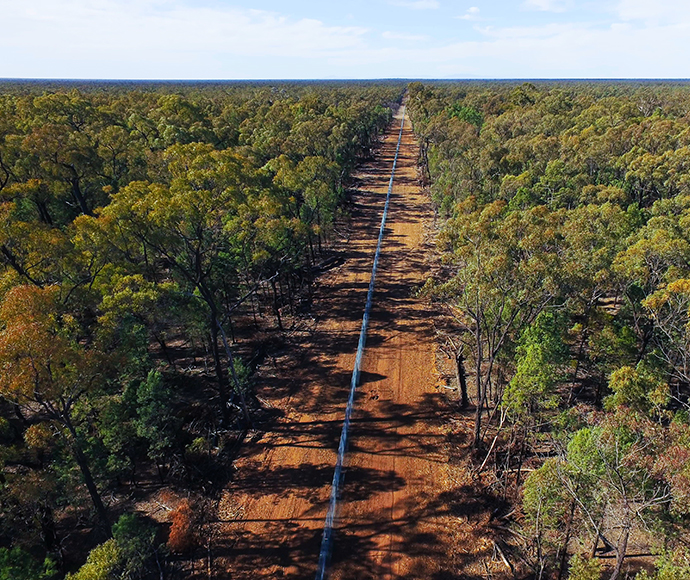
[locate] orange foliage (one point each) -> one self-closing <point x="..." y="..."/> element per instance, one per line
<point x="38" y="436"/>
<point x="40" y="358"/>
<point x="182" y="532"/>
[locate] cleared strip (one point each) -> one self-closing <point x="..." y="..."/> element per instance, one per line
<point x="327" y="540"/>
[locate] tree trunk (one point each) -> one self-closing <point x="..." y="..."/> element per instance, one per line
<point x="164" y="348"/>
<point x="220" y="376"/>
<point x="12" y="261"/>
<point x="232" y="330"/>
<point x="599" y="536"/>
<point x="621" y="551"/>
<point x="79" y="196"/>
<point x="478" y="416"/>
<point x="6" y="172"/>
<point x="276" y="309"/>
<point x="583" y="343"/>
<point x="50" y="539"/>
<point x="236" y="382"/>
<point x="593" y="553"/>
<point x="646" y="337"/>
<point x="462" y="379"/>
<point x="521" y="458"/>
<point x="43" y="213"/>
<point x="19" y="415"/>
<point x="83" y="464"/>
<point x="566" y="540"/>
<point x="480" y="392"/>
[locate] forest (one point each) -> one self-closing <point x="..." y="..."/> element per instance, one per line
<point x="154" y="237"/>
<point x="563" y="276"/>
<point x="157" y="239"/>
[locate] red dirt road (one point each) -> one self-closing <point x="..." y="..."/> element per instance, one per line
<point x="393" y="520"/>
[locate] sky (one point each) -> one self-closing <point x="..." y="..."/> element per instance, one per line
<point x="347" y="39"/>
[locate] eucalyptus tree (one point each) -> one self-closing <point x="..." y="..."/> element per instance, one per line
<point x="181" y="227"/>
<point x="47" y="370"/>
<point x="502" y="271"/>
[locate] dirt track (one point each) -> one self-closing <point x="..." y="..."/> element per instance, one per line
<point x="393" y="517"/>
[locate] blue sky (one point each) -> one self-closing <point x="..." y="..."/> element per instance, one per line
<point x="238" y="39"/>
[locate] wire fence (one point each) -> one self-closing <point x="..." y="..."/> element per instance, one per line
<point x="327" y="540"/>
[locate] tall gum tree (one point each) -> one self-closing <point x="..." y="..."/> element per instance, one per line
<point x="47" y="370"/>
<point x="181" y="227"/>
<point x="500" y="276"/>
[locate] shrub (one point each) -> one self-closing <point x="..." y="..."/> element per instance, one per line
<point x="182" y="536"/>
<point x="584" y="569"/>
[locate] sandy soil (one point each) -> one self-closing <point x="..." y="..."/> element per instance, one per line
<point x="395" y="517"/>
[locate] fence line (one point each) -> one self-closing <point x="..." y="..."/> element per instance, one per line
<point x="327" y="539"/>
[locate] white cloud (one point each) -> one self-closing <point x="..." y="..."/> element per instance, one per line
<point x="388" y="35"/>
<point x="648" y="11"/>
<point x="175" y="39"/>
<point x="416" y="4"/>
<point x="143" y="29"/>
<point x="471" y="14"/>
<point x="576" y="50"/>
<point x="547" y="5"/>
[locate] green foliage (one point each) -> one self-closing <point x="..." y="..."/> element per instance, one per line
<point x="544" y="499"/>
<point x="539" y="352"/>
<point x="118" y="432"/>
<point x="135" y="540"/>
<point x="243" y="373"/>
<point x="587" y="455"/>
<point x="16" y="564"/>
<point x="466" y="113"/>
<point x="104" y="563"/>
<point x="585" y="568"/>
<point x="637" y="388"/>
<point x="524" y="198"/>
<point x="155" y="422"/>
<point x="125" y="556"/>
<point x="669" y="566"/>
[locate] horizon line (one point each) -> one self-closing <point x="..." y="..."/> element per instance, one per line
<point x="314" y="80"/>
